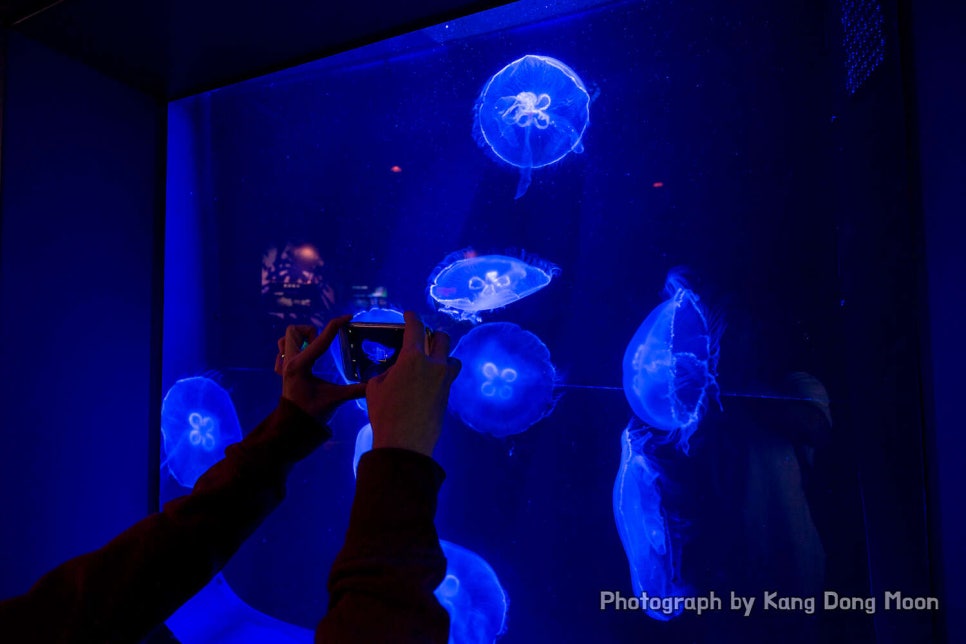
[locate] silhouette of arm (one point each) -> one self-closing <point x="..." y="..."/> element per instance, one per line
<point x="382" y="582"/>
<point x="121" y="591"/>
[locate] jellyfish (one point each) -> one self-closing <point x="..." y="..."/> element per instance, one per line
<point x="670" y="366"/>
<point x="363" y="445"/>
<point x="376" y="351"/>
<point x="473" y="597"/>
<point x="470" y="592"/>
<point x="464" y="284"/>
<point x="531" y="114"/>
<point x="198" y="421"/>
<point x="646" y="528"/>
<point x="217" y="614"/>
<point x="506" y="384"/>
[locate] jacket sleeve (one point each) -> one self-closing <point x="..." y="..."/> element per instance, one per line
<point x="121" y="591"/>
<point x="382" y="582"/>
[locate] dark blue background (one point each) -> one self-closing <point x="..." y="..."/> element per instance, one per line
<point x="718" y="106"/>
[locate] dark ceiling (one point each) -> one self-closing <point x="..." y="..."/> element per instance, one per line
<point x="173" y="48"/>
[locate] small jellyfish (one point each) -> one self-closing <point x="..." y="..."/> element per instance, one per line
<point x="531" y="114"/>
<point x="670" y="366"/>
<point x="506" y="384"/>
<point x="652" y="546"/>
<point x="363" y="445"/>
<point x="198" y="421"/>
<point x="376" y="351"/>
<point x="473" y="597"/>
<point x="464" y="284"/>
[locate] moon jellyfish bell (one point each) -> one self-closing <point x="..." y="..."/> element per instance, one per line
<point x="198" y="421"/>
<point x="473" y="597"/>
<point x="465" y="284"/>
<point x="670" y="365"/>
<point x="507" y="380"/>
<point x="531" y="114"/>
<point x="646" y="524"/>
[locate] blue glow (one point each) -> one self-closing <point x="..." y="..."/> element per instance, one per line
<point x="217" y="614"/>
<point x="363" y="445"/>
<point x="465" y="284"/>
<point x="473" y="596"/>
<point x="376" y="351"/>
<point x="506" y="384"/>
<point x="470" y="592"/>
<point x="532" y="113"/>
<point x="198" y="421"/>
<point x="376" y="314"/>
<point x="670" y="366"/>
<point x="653" y="551"/>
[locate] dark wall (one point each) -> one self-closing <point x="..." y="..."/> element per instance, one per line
<point x="77" y="308"/>
<point x="939" y="135"/>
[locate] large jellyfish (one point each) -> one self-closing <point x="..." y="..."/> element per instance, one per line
<point x="473" y="596"/>
<point x="198" y="421"/>
<point x="464" y="284"/>
<point x="647" y="529"/>
<point x="670" y="366"/>
<point x="217" y="614"/>
<point x="506" y="384"/>
<point x="532" y="113"/>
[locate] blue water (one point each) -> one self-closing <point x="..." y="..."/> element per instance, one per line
<point x="708" y="147"/>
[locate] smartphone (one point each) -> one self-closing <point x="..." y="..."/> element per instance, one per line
<point x="369" y="348"/>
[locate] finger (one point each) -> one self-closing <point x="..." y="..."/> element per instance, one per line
<point x="319" y="345"/>
<point x="281" y="344"/>
<point x="439" y="345"/>
<point x="294" y="337"/>
<point x="414" y="337"/>
<point x="279" y="363"/>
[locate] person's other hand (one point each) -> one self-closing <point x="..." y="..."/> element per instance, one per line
<point x="316" y="397"/>
<point x="407" y="402"/>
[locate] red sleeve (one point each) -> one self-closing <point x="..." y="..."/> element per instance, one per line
<point x="381" y="584"/>
<point x="122" y="591"/>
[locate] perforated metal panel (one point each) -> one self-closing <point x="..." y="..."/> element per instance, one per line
<point x="863" y="40"/>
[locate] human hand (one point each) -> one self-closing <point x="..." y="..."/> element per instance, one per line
<point x="316" y="397"/>
<point x="407" y="402"/>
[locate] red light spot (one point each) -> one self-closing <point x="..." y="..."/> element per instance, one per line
<point x="395" y="169"/>
<point x="657" y="184"/>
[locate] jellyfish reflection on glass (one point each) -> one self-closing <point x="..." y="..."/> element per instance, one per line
<point x="531" y="114"/>
<point x="507" y="380"/>
<point x="670" y="366"/>
<point x="473" y="597"/>
<point x="465" y="284"/>
<point x="647" y="529"/>
<point x="198" y="421"/>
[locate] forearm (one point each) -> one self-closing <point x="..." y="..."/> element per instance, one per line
<point x="121" y="591"/>
<point x="382" y="583"/>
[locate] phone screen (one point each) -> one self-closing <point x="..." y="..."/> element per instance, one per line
<point x="369" y="348"/>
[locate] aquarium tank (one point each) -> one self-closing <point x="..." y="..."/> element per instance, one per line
<point x="632" y="219"/>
